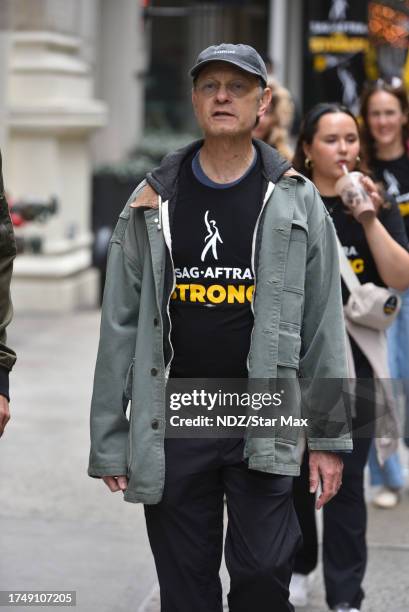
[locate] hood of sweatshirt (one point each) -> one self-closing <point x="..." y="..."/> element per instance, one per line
<point x="163" y="179"/>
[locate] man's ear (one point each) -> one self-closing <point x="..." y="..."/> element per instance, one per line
<point x="264" y="101"/>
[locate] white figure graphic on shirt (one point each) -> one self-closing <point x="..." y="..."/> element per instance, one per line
<point x="349" y="89"/>
<point x="338" y="10"/>
<point x="392" y="183"/>
<point x="212" y="237"/>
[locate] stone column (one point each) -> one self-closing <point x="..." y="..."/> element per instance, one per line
<point x="5" y="15"/>
<point x="277" y="37"/>
<point x="120" y="69"/>
<point x="52" y="113"/>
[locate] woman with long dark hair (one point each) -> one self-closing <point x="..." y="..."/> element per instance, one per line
<point x="385" y="142"/>
<point x="376" y="246"/>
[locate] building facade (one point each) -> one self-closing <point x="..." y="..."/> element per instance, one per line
<point x="69" y="98"/>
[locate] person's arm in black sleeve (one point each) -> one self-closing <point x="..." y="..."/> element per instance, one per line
<point x="391" y="219"/>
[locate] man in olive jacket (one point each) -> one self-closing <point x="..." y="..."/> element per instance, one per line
<point x="7" y="254"/>
<point x="223" y="264"/>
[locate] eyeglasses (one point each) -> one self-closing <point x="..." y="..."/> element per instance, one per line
<point x="236" y="88"/>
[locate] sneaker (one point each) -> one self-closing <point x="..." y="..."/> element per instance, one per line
<point x="386" y="499"/>
<point x="299" y="590"/>
<point x="344" y="607"/>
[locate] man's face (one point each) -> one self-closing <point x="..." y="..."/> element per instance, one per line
<point x="227" y="100"/>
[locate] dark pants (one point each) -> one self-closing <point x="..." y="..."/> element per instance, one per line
<point x="186" y="530"/>
<point x="345" y="518"/>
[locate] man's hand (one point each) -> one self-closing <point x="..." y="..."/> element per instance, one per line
<point x="4" y="413"/>
<point x="116" y="483"/>
<point x="327" y="467"/>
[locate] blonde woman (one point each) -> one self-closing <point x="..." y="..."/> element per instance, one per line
<point x="385" y="140"/>
<point x="274" y="125"/>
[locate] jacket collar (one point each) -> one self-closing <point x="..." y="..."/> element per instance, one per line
<point x="146" y="198"/>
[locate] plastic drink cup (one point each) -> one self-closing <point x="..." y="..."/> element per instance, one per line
<point x="354" y="196"/>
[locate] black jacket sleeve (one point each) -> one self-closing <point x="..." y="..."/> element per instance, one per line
<point x="7" y="254"/>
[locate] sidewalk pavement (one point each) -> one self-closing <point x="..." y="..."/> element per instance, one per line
<point x="61" y="530"/>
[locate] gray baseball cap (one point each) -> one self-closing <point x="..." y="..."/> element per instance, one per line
<point x="242" y="56"/>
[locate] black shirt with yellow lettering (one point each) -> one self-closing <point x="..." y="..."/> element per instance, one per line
<point x="352" y="237"/>
<point x="210" y="309"/>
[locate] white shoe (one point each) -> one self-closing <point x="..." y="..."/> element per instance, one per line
<point x="386" y="499"/>
<point x="299" y="590"/>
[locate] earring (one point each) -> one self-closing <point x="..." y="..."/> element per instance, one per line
<point x="308" y="163"/>
<point x="358" y="162"/>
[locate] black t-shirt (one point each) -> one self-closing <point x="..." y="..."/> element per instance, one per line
<point x="352" y="237"/>
<point x="210" y="309"/>
<point x="394" y="174"/>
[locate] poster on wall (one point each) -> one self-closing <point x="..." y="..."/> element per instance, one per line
<point x="389" y="34"/>
<point x="336" y="41"/>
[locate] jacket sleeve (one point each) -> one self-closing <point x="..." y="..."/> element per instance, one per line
<point x="7" y="254"/>
<point x="109" y="425"/>
<point x="323" y="363"/>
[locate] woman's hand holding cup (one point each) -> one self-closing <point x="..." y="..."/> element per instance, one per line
<point x="373" y="192"/>
<point x="359" y="194"/>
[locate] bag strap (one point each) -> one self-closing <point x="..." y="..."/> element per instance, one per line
<point x="348" y="275"/>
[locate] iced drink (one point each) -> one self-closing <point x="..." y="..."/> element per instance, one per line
<point x="354" y="196"/>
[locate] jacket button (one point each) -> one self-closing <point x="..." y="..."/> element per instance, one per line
<point x="155" y="424"/>
<point x="154" y="371"/>
<point x="156" y="322"/>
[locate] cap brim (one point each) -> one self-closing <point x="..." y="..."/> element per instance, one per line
<point x="242" y="65"/>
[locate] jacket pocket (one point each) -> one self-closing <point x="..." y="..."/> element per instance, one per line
<point x="289" y="346"/>
<point x="127" y="399"/>
<point x="129" y="447"/>
<point x="129" y="382"/>
<point x="292" y="306"/>
<point x="296" y="257"/>
<point x="288" y="428"/>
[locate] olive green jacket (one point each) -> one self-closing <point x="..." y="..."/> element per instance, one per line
<point x="7" y="254"/>
<point x="298" y="325"/>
